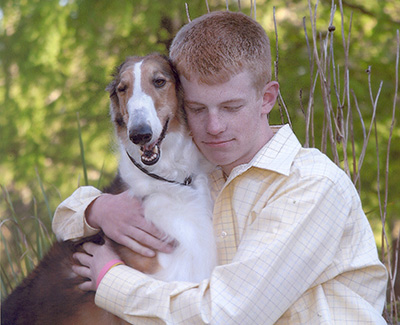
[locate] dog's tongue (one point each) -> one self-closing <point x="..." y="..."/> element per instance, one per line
<point x="150" y="154"/>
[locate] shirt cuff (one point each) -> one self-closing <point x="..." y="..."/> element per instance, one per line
<point x="69" y="218"/>
<point x="88" y="230"/>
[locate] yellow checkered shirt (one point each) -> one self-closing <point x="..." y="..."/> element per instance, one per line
<point x="294" y="247"/>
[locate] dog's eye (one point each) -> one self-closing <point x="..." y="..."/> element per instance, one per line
<point x="122" y="88"/>
<point x="159" y="82"/>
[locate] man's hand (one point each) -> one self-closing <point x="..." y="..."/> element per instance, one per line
<point x="121" y="219"/>
<point x="95" y="258"/>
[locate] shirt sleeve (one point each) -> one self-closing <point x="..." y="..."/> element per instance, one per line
<point x="140" y="299"/>
<point x="317" y="246"/>
<point x="296" y="244"/>
<point x="69" y="218"/>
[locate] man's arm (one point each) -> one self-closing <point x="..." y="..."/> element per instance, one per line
<point x="120" y="217"/>
<point x="282" y="256"/>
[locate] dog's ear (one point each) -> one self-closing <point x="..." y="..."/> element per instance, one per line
<point x="179" y="93"/>
<point x="112" y="86"/>
<point x="114" y="100"/>
<point x="115" y="113"/>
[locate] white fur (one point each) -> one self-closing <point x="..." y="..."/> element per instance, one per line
<point x="182" y="212"/>
<point x="141" y="107"/>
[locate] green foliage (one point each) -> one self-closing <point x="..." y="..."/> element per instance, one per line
<point x="57" y="57"/>
<point x="371" y="27"/>
<point x="24" y="242"/>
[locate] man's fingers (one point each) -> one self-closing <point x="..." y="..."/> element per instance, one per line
<point x="87" y="286"/>
<point x="83" y="258"/>
<point x="151" y="229"/>
<point x="137" y="247"/>
<point x="89" y="247"/>
<point x="82" y="271"/>
<point x="161" y="241"/>
<point x="144" y="239"/>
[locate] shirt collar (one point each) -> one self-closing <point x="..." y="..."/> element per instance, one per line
<point x="277" y="155"/>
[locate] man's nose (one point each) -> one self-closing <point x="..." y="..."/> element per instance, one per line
<point x="215" y="124"/>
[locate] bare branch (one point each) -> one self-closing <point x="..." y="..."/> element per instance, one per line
<point x="282" y="102"/>
<point x="374" y="104"/>
<point x="355" y="172"/>
<point x="367" y="12"/>
<point x="208" y="8"/>
<point x="276" y="47"/>
<point x="187" y="12"/>
<point x="392" y="277"/>
<point x="309" y="115"/>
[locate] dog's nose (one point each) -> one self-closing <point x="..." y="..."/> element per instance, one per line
<point x="141" y="135"/>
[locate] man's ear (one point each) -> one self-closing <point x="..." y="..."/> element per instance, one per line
<point x="270" y="94"/>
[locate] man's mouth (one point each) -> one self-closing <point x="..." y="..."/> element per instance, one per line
<point x="217" y="143"/>
<point x="150" y="154"/>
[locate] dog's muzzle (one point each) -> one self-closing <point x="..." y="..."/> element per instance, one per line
<point x="142" y="135"/>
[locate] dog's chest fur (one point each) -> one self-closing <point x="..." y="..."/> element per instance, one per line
<point x="183" y="212"/>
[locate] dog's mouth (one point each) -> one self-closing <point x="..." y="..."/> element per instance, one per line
<point x="150" y="154"/>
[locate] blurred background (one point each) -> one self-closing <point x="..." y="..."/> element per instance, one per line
<point x="57" y="57"/>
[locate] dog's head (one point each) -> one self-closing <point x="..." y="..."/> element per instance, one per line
<point x="146" y="102"/>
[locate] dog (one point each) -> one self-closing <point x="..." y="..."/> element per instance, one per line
<point x="160" y="164"/>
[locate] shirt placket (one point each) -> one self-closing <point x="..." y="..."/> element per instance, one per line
<point x="224" y="226"/>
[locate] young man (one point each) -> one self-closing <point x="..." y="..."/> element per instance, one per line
<point x="294" y="245"/>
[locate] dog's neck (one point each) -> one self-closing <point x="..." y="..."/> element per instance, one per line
<point x="186" y="182"/>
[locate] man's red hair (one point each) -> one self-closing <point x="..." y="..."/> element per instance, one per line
<point x="219" y="45"/>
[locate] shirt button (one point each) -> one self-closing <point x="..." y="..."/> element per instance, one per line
<point x="223" y="234"/>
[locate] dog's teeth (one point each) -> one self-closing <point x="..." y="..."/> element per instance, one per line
<point x="150" y="157"/>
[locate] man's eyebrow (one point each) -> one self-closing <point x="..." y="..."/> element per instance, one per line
<point x="190" y="102"/>
<point x="233" y="101"/>
<point x="227" y="102"/>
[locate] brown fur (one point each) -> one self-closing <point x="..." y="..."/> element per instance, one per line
<point x="164" y="98"/>
<point x="50" y="294"/>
